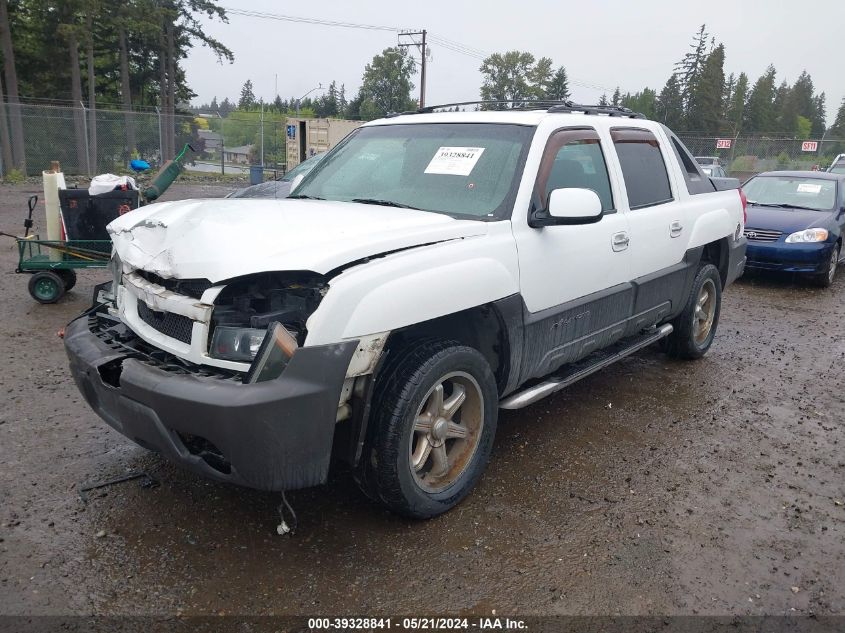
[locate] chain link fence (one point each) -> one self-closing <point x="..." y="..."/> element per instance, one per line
<point x="744" y="156"/>
<point x="233" y="143"/>
<point x="223" y="145"/>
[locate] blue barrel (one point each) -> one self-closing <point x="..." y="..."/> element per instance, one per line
<point x="256" y="174"/>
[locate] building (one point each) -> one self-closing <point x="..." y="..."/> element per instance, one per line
<point x="211" y="140"/>
<point x="238" y="155"/>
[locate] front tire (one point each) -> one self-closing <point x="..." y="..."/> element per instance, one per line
<point x="434" y="420"/>
<point x="825" y="278"/>
<point x="695" y="327"/>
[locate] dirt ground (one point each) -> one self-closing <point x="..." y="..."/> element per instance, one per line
<point x="653" y="487"/>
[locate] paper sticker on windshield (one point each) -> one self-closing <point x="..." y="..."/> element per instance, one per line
<point x="806" y="187"/>
<point x="454" y="161"/>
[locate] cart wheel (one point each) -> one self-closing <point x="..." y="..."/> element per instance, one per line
<point x="68" y="276"/>
<point x="46" y="287"/>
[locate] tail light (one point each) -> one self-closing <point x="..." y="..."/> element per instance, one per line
<point x="744" y="206"/>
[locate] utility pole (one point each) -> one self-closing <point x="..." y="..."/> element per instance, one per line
<point x="422" y="47"/>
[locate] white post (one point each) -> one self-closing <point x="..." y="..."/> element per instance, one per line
<point x="87" y="148"/>
<point x="160" y="145"/>
<point x="262" y="134"/>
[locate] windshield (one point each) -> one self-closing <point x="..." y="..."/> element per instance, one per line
<point x="303" y="168"/>
<point x="460" y="169"/>
<point x="796" y="191"/>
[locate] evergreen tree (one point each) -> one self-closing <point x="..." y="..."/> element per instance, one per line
<point x="759" y="116"/>
<point x="616" y="99"/>
<point x="736" y="108"/>
<point x="727" y="95"/>
<point x="670" y="104"/>
<point x="705" y="103"/>
<point x="644" y="102"/>
<point x="690" y="67"/>
<point x="818" y="119"/>
<point x="786" y="116"/>
<point x="603" y="101"/>
<point x="247" y="100"/>
<point x="837" y="130"/>
<point x="558" y="89"/>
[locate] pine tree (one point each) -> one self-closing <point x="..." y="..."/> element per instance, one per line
<point x="736" y="109"/>
<point x="759" y="116"/>
<point x="558" y="89"/>
<point x="837" y="130"/>
<point x="690" y="67"/>
<point x="247" y="100"/>
<point x="617" y="97"/>
<point x="704" y="113"/>
<point x="603" y="101"/>
<point x="727" y="95"/>
<point x="670" y="104"/>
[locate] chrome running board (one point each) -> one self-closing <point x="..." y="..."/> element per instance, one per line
<point x="575" y="372"/>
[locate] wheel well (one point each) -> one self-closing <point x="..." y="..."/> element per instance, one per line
<point x="481" y="328"/>
<point x="717" y="253"/>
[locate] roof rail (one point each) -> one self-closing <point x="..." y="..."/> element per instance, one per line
<point x="519" y="104"/>
<point x="540" y="104"/>
<point x="608" y="110"/>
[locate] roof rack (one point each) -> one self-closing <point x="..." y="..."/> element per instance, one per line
<point x="597" y="109"/>
<point x="542" y="104"/>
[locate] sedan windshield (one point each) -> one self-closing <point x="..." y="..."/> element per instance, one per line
<point x="465" y="170"/>
<point x="791" y="191"/>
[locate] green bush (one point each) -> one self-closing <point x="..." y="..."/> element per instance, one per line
<point x="13" y="177"/>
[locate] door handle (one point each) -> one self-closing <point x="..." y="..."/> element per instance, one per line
<point x="620" y="241"/>
<point x="675" y="228"/>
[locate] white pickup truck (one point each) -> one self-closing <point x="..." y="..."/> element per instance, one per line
<point x="433" y="268"/>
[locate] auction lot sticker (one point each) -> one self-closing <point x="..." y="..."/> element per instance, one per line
<point x="454" y="161"/>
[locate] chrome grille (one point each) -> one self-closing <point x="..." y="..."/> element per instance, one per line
<point x="173" y="325"/>
<point x="762" y="235"/>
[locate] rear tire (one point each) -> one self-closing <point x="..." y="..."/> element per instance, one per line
<point x="696" y="326"/>
<point x="825" y="279"/>
<point x="68" y="276"/>
<point x="434" y="420"/>
<point x="46" y="287"/>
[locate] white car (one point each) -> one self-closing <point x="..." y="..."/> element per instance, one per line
<point x="433" y="268"/>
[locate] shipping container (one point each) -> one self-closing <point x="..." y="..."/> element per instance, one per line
<point x="307" y="137"/>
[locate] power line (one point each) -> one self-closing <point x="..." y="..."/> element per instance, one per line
<point x="452" y="45"/>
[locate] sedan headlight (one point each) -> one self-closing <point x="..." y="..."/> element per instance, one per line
<point x="807" y="235"/>
<point x="235" y="343"/>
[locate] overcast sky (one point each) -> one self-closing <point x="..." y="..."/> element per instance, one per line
<point x="602" y="43"/>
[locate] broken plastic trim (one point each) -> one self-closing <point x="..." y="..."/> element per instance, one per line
<point x="276" y="350"/>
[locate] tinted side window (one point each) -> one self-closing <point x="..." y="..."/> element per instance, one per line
<point x="643" y="168"/>
<point x="697" y="181"/>
<point x="574" y="159"/>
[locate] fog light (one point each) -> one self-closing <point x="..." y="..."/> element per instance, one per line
<point x="234" y="343"/>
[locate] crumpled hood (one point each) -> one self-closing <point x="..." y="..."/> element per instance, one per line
<point x="225" y="238"/>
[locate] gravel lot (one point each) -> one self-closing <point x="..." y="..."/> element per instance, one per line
<point x="653" y="487"/>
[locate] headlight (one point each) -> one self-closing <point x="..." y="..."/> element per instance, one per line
<point x="808" y="235"/>
<point x="238" y="344"/>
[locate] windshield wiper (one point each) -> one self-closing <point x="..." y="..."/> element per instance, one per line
<point x="385" y="203"/>
<point x="781" y="205"/>
<point x="304" y="196"/>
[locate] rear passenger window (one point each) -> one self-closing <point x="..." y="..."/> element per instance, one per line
<point x="574" y="159"/>
<point x="643" y="168"/>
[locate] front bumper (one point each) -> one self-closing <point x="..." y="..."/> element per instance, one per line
<point x="789" y="258"/>
<point x="274" y="435"/>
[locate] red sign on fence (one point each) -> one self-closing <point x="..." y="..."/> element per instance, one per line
<point x="809" y="146"/>
<point x="723" y="143"/>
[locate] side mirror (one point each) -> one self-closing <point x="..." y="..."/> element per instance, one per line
<point x="569" y="206"/>
<point x="295" y="182"/>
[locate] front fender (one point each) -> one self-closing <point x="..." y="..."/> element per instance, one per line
<point x="417" y="285"/>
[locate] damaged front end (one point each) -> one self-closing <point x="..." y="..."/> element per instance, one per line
<point x="271" y="435"/>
